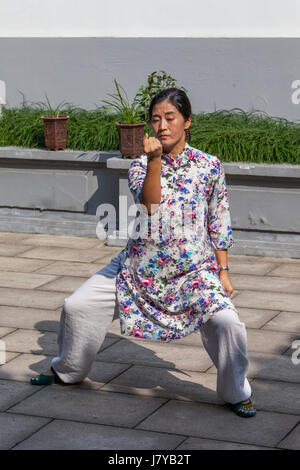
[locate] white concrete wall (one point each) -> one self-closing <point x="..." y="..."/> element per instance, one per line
<point x="154" y="18"/>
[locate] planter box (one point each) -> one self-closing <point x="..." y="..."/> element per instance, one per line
<point x="59" y="193"/>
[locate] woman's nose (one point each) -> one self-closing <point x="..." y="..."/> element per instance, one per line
<point x="163" y="124"/>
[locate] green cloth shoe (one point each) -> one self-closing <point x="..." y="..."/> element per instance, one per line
<point x="246" y="410"/>
<point x="43" y="379"/>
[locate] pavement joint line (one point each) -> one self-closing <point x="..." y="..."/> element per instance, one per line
<point x="222" y="440"/>
<point x="41" y="267"/>
<point x="7" y="334"/>
<point x="185" y="436"/>
<point x="271" y="319"/>
<point x="28" y="329"/>
<point x="184" y="440"/>
<point x="286" y="350"/>
<point x="143" y="395"/>
<point x="118" y="375"/>
<point x="24" y="398"/>
<point x="35" y="308"/>
<point x="269" y="273"/>
<point x="289" y="432"/>
<point x="151" y="413"/>
<point x="32" y="434"/>
<point x="267" y="379"/>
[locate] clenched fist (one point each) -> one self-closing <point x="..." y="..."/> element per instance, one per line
<point x="152" y="147"/>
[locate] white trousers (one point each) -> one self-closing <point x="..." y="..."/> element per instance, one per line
<point x="87" y="315"/>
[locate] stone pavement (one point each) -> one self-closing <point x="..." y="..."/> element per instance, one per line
<point x="141" y="394"/>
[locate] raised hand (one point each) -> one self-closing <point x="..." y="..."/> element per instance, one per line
<point x="152" y="147"/>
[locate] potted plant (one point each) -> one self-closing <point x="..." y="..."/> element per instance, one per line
<point x="55" y="127"/>
<point x="131" y="126"/>
<point x="156" y="81"/>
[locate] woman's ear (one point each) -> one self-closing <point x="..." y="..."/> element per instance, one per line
<point x="187" y="123"/>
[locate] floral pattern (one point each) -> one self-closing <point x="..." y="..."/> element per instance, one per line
<point x="168" y="283"/>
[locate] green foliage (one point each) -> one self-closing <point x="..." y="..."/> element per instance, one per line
<point x="129" y="112"/>
<point x="231" y="135"/>
<point x="236" y="135"/>
<point x="50" y="111"/>
<point x="155" y="83"/>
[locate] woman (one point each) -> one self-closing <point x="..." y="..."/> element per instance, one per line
<point x="172" y="278"/>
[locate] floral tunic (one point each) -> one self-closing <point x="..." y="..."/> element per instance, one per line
<point x="168" y="283"/>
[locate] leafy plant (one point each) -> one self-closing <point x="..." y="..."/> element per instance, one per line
<point x="156" y="82"/>
<point x="49" y="109"/>
<point x="130" y="113"/>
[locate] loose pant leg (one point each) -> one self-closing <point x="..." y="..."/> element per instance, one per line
<point x="225" y="339"/>
<point x="85" y="318"/>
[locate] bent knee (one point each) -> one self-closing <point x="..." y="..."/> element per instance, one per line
<point x="73" y="304"/>
<point x="227" y="319"/>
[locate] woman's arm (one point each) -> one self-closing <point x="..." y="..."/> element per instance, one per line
<point x="222" y="260"/>
<point x="151" y="190"/>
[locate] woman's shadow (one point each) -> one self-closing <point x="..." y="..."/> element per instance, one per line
<point x="132" y="366"/>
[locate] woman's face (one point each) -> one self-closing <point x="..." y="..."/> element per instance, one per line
<point x="168" y="125"/>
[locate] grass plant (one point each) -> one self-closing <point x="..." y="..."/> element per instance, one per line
<point x="232" y="135"/>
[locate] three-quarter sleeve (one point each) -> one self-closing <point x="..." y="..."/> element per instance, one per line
<point x="136" y="176"/>
<point x="219" y="220"/>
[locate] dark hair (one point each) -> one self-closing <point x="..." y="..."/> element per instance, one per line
<point x="177" y="98"/>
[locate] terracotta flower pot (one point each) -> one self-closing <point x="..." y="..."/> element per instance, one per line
<point x="131" y="139"/>
<point x="55" y="132"/>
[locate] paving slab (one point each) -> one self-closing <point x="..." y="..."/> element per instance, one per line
<point x="62" y="240"/>
<point x="270" y="367"/>
<point x="276" y="342"/>
<point x="12" y="237"/>
<point x="69" y="435"/>
<point x="259" y="267"/>
<point x="265" y="283"/>
<point x="11" y="393"/>
<point x="292" y="441"/>
<point x="64" y="283"/>
<point x="271" y="395"/>
<point x="196" y="443"/>
<point x="267" y="295"/>
<point x="24" y="366"/>
<point x="22" y="265"/>
<point x="26" y="298"/>
<point x="63" y="402"/>
<point x="29" y="318"/>
<point x="256" y="318"/>
<point x="12" y="249"/>
<point x="15" y="428"/>
<point x="234" y="258"/>
<point x="61" y="253"/>
<point x="24" y="280"/>
<point x="286" y="270"/>
<point x="217" y="422"/>
<point x="270" y="300"/>
<point x="40" y="342"/>
<point x="66" y="268"/>
<point x="5" y="331"/>
<point x="169" y="383"/>
<point x="285" y="321"/>
<point x="32" y="341"/>
<point x="159" y="355"/>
